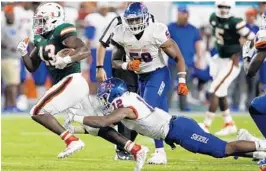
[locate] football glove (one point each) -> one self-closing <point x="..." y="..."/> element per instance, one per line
<point x="22" y="46"/>
<point x="133" y="65"/>
<point x="182" y="89"/>
<point x="61" y="62"/>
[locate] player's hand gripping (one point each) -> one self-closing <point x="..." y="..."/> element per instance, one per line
<point x="22" y="46"/>
<point x="61" y="62"/>
<point x="133" y="65"/>
<point x="101" y="75"/>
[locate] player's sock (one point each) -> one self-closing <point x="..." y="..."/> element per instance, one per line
<point x="260" y="145"/>
<point x="131" y="147"/>
<point x="160" y="150"/>
<point x="209" y="116"/>
<point x="228" y="120"/>
<point x="68" y="137"/>
<point x="158" y="143"/>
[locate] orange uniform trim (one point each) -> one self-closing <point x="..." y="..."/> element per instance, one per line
<point x="227" y="75"/>
<point x="52" y="95"/>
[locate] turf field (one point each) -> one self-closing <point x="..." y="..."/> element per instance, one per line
<point x="26" y="146"/>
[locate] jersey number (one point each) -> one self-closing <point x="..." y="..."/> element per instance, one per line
<point x="146" y="57"/>
<point x="219" y="35"/>
<point x="117" y="104"/>
<point x="50" y="49"/>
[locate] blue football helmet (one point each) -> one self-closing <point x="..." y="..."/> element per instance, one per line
<point x="108" y="91"/>
<point x="136" y="17"/>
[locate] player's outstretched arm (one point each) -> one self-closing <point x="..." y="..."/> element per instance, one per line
<point x="251" y="66"/>
<point x="82" y="51"/>
<point x="171" y="49"/>
<point x="31" y="60"/>
<point x="104" y="121"/>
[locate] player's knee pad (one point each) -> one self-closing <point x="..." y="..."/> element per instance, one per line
<point x="92" y="131"/>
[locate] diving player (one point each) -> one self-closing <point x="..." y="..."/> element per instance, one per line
<point x="143" y="43"/>
<point x="253" y="57"/>
<point x="70" y="89"/>
<point x="224" y="67"/>
<point x="135" y="113"/>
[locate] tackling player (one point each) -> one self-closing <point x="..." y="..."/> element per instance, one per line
<point x="70" y="89"/>
<point x="134" y="112"/>
<point x="253" y="57"/>
<point x="224" y="67"/>
<point x="143" y="43"/>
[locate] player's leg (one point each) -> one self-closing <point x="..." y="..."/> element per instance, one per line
<point x="154" y="91"/>
<point x="189" y="135"/>
<point x="66" y="93"/>
<point x="257" y="111"/>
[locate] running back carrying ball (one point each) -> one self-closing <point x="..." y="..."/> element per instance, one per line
<point x="65" y="52"/>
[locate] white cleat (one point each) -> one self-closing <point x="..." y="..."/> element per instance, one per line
<point x="69" y="118"/>
<point x="141" y="157"/>
<point x="259" y="155"/>
<point x="72" y="148"/>
<point x="243" y="134"/>
<point x="202" y="125"/>
<point x="158" y="158"/>
<point x="231" y="129"/>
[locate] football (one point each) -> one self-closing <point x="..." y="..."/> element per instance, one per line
<point x="65" y="52"/>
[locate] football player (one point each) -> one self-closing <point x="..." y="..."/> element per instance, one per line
<point x="253" y="57"/>
<point x="70" y="89"/>
<point x="224" y="67"/>
<point x="134" y="112"/>
<point x="143" y="43"/>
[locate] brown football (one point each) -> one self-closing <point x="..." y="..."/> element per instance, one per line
<point x="65" y="52"/>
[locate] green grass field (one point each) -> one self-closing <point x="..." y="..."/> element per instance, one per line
<point x="26" y="146"/>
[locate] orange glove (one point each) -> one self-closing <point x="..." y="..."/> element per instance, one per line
<point x="133" y="65"/>
<point x="182" y="89"/>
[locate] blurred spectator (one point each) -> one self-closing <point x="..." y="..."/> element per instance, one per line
<point x="185" y="35"/>
<point x="95" y="24"/>
<point x="12" y="33"/>
<point x="250" y="17"/>
<point x="71" y="14"/>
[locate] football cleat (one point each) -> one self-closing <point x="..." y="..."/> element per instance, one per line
<point x="262" y="165"/>
<point x="243" y="134"/>
<point x="259" y="155"/>
<point x="72" y="148"/>
<point x="230" y="129"/>
<point x="203" y="126"/>
<point x="123" y="155"/>
<point x="158" y="158"/>
<point x="140" y="158"/>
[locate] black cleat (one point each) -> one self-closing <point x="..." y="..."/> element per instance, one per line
<point x="123" y="155"/>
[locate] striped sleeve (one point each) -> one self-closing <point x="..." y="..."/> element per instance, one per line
<point x="67" y="30"/>
<point x="106" y="36"/>
<point x="244" y="31"/>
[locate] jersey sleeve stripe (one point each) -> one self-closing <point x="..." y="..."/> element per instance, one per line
<point x="261" y="44"/>
<point x="240" y="25"/>
<point x="109" y="29"/>
<point x="244" y="31"/>
<point x="67" y="30"/>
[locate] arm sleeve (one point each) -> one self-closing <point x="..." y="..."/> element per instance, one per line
<point x="107" y="34"/>
<point x="67" y="30"/>
<point x="161" y="34"/>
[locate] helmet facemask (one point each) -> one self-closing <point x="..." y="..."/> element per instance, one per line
<point x="105" y="106"/>
<point x="137" y="24"/>
<point x="224" y="11"/>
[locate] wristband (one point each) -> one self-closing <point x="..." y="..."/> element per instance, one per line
<point x="181" y="80"/>
<point x="67" y="59"/>
<point x="124" y="65"/>
<point x="181" y="73"/>
<point x="99" y="66"/>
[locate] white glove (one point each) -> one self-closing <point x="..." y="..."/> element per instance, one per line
<point x="61" y="62"/>
<point x="247" y="50"/>
<point x="22" y="47"/>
